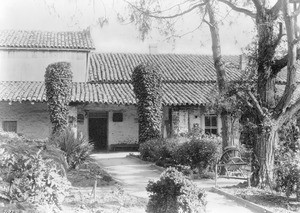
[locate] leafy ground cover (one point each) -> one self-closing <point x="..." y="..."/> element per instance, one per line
<point x="271" y="200"/>
<point x="33" y="175"/>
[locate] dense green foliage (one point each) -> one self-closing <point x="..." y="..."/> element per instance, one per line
<point x="287" y="160"/>
<point x="156" y="149"/>
<point x="58" y="81"/>
<point x="147" y="88"/>
<point x="77" y="149"/>
<point x="200" y="153"/>
<point x="173" y="193"/>
<point x="31" y="172"/>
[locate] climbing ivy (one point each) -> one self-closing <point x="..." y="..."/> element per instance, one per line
<point x="147" y="88"/>
<point x="58" y="81"/>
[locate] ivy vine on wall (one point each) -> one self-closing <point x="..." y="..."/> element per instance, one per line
<point x="58" y="82"/>
<point x="147" y="88"/>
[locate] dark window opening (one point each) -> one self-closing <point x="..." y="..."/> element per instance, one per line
<point x="117" y="117"/>
<point x="80" y="118"/>
<point x="10" y="126"/>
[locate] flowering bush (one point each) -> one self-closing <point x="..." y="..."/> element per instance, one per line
<point x="173" y="193"/>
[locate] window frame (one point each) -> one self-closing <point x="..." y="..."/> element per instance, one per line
<point x="210" y="127"/>
<point x="4" y="126"/>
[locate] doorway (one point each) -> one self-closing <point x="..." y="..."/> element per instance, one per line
<point x="98" y="128"/>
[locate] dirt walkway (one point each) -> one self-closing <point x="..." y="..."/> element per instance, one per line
<point x="134" y="176"/>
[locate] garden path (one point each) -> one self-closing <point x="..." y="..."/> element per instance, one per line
<point x="134" y="175"/>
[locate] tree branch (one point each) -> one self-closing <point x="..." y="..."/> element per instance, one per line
<point x="244" y="100"/>
<point x="255" y="102"/>
<point x="296" y="12"/>
<point x="279" y="64"/>
<point x="280" y="35"/>
<point x="239" y="9"/>
<point x="289" y="113"/>
<point x="148" y="13"/>
<point x="291" y="83"/>
<point x="276" y="8"/>
<point x="258" y="4"/>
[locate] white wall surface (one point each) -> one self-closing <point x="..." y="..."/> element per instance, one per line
<point x="118" y="132"/>
<point x="21" y="65"/>
<point x="32" y="119"/>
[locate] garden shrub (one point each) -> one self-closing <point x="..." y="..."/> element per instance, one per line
<point x="173" y="193"/>
<point x="287" y="160"/>
<point x="200" y="153"/>
<point x="146" y="80"/>
<point x="12" y="143"/>
<point x="28" y="177"/>
<point x="77" y="149"/>
<point x="157" y="149"/>
<point x="58" y="82"/>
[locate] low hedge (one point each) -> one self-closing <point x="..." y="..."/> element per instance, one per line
<point x="157" y="149"/>
<point x="197" y="153"/>
<point x="200" y="153"/>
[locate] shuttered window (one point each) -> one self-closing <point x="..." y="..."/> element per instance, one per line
<point x="10" y="126"/>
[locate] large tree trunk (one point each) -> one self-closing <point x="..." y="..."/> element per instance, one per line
<point x="220" y="69"/>
<point x="266" y="50"/>
<point x="263" y="156"/>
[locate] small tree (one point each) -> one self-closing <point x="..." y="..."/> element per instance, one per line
<point x="147" y="88"/>
<point x="58" y="81"/>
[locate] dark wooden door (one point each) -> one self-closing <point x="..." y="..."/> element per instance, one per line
<point x="98" y="132"/>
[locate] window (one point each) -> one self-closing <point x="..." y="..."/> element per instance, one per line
<point x="10" y="126"/>
<point x="211" y="124"/>
<point x="80" y="118"/>
<point x="117" y="117"/>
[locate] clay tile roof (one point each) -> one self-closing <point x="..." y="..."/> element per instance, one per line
<point x="175" y="94"/>
<point x="106" y="93"/>
<point x="80" y="40"/>
<point x="118" y="67"/>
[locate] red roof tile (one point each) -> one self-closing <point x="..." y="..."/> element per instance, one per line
<point x="80" y="40"/>
<point x="118" y="93"/>
<point x="176" y="94"/>
<point x="117" y="67"/>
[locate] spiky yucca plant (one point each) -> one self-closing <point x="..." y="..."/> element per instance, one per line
<point x="77" y="149"/>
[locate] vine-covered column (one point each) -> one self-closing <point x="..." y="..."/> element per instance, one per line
<point x="147" y="88"/>
<point x="58" y="82"/>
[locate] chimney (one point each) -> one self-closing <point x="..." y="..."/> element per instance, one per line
<point x="153" y="48"/>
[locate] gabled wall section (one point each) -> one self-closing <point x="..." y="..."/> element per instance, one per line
<point x="30" y="65"/>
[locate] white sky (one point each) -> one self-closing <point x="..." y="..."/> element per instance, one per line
<point x="66" y="15"/>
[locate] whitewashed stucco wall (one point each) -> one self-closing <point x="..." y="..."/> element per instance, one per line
<point x="118" y="132"/>
<point x="24" y="65"/>
<point x="32" y="119"/>
<point x="192" y="117"/>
